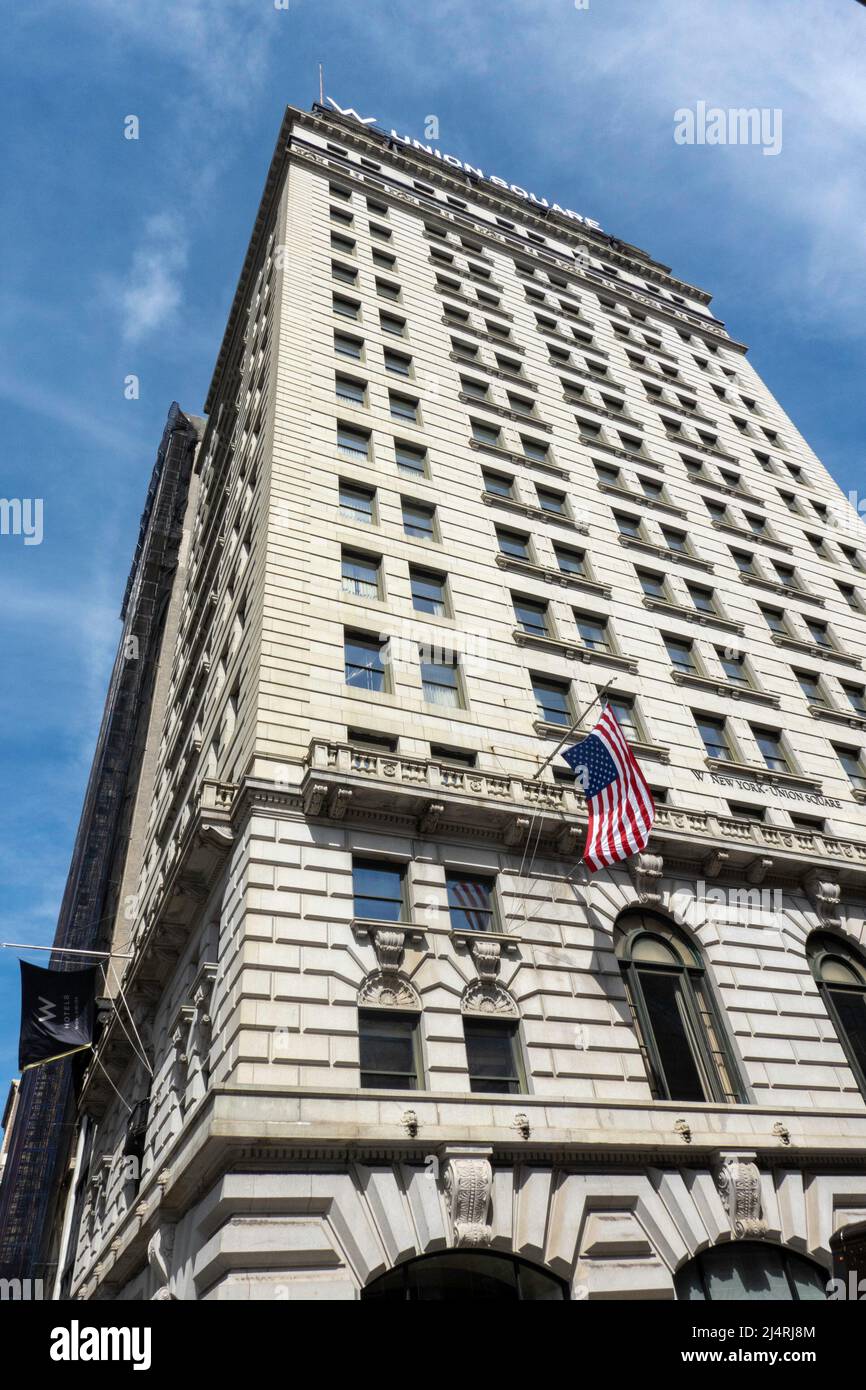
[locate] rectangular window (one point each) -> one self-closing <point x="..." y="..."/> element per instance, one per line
<point x="712" y="731"/>
<point x="470" y="901"/>
<point x="570" y="561"/>
<point x="403" y="408"/>
<point x="550" y="501"/>
<point x="428" y="592"/>
<point x="390" y="323"/>
<point x="623" y="707"/>
<point x="356" y="503"/>
<point x="344" y="244"/>
<point x="531" y="615"/>
<point x="492" y="1056"/>
<point x="652" y="584"/>
<point x="702" y="599"/>
<point x="675" y="540"/>
<point x="497" y="484"/>
<point x="348" y="347"/>
<point x="388" y="1050"/>
<point x="772" y="749"/>
<point x="775" y="620"/>
<point x="627" y="525"/>
<point x="593" y="631"/>
<point x="398" y="363"/>
<point x="553" y="700"/>
<point x="360" y="574"/>
<point x="353" y="443"/>
<point x="440" y="681"/>
<point x="386" y="289"/>
<point x="734" y="666"/>
<point x="364" y="662"/>
<point x="512" y="543"/>
<point x="486" y="434"/>
<point x="346" y="308"/>
<point x="680" y="653"/>
<point x="349" y="389"/>
<point x="811" y="687"/>
<point x="856" y="697"/>
<point x="410" y="460"/>
<point x="851" y="762"/>
<point x="419" y="519"/>
<point x="819" y="631"/>
<point x="378" y="889"/>
<point x="346" y="273"/>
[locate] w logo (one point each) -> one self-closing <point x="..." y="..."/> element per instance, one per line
<point x="46" y="1011"/>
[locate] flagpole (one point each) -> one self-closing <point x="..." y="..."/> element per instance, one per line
<point x="579" y="720"/>
<point x="63" y="950"/>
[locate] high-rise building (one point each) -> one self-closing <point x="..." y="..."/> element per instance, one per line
<point x="470" y="460"/>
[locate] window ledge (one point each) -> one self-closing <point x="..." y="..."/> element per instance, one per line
<point x="653" y="751"/>
<point x="756" y="773"/>
<point x="785" y="590"/>
<point x="663" y="553"/>
<point x="818" y="653"/>
<point x="692" y="615"/>
<point x="602" y="410"/>
<point x="498" y="338"/>
<point x="551" y="576"/>
<point x="640" y="499"/>
<point x="723" y="687"/>
<point x="493" y="371"/>
<point x="467" y="935"/>
<point x="624" y="454"/>
<point x="493" y="499"/>
<point x="498" y="452"/>
<point x="503" y="410"/>
<point x="368" y="926"/>
<point x="841" y="716"/>
<point x="574" y="651"/>
<point x="750" y="536"/>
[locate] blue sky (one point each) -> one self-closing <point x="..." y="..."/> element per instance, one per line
<point x="122" y="257"/>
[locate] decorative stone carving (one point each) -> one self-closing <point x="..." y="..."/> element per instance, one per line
<point x="386" y="988"/>
<point x="468" y="1179"/>
<point x="315" y="797"/>
<point x="568" y="840"/>
<point x="516" y="830"/>
<point x="684" y="1130"/>
<point x="339" y="803"/>
<point x="825" y="896"/>
<point x="160" y="1249"/>
<point x="521" y="1124"/>
<point x="758" y="869"/>
<point x="486" y="995"/>
<point x="646" y="872"/>
<point x="410" y="1123"/>
<point x="715" y="862"/>
<point x="782" y="1132"/>
<point x="739" y="1184"/>
<point x="428" y="823"/>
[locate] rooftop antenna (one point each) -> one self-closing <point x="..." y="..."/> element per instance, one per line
<point x="321" y="85"/>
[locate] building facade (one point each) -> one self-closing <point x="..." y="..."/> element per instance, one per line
<point x="470" y="460"/>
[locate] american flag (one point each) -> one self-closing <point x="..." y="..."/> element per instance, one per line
<point x="621" y="808"/>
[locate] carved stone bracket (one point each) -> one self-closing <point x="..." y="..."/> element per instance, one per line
<point x="516" y="830"/>
<point x="646" y="872"/>
<point x="758" y="869"/>
<point x="568" y="840"/>
<point x="428" y="823"/>
<point x="386" y="988"/>
<point x="715" y="862"/>
<point x="825" y="896"/>
<point x="315" y="796"/>
<point x="739" y="1184"/>
<point x="468" y="1179"/>
<point x="159" y="1257"/>
<point x="486" y="995"/>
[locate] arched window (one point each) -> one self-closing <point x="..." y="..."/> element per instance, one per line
<point x="750" y="1269"/>
<point x="840" y="974"/>
<point x="458" y="1274"/>
<point x="682" y="1037"/>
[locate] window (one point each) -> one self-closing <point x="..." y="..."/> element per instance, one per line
<point x="388" y="1050"/>
<point x="390" y="323"/>
<point x="463" y="757"/>
<point x="533" y="449"/>
<point x="364" y="663"/>
<point x="772" y="749"/>
<point x="627" y="525"/>
<point x="479" y="390"/>
<point x="512" y="543"/>
<point x="377" y="743"/>
<point x="378" y="889"/>
<point x="650" y="488"/>
<point x="681" y="1035"/>
<point x="360" y="574"/>
<point x="775" y="620"/>
<point x="681" y="655"/>
<point x="428" y="592"/>
<point x="819" y="631"/>
<point x="470" y="901"/>
<point x="552" y="698"/>
<point x="750" y="1270"/>
<point x="403" y="408"/>
<point x="570" y="561"/>
<point x="712" y="731"/>
<point x="398" y="363"/>
<point x="349" y="347"/>
<point x="810" y="685"/>
<point x="851" y="761"/>
<point x="675" y="540"/>
<point x="734" y="666"/>
<point x="492" y="1056"/>
<point x="346" y="308"/>
<point x="550" y="501"/>
<point x="353" y="443"/>
<point x="756" y="814"/>
<point x="356" y="503"/>
<point x="463" y="1275"/>
<point x="380" y="232"/>
<point x="652" y="584"/>
<point x="531" y="615"/>
<point x="440" y="679"/>
<point x="840" y="974"/>
<point x="497" y="484"/>
<point x="856" y="696"/>
<point x="745" y="563"/>
<point x="347" y="273"/>
<point x="623" y="706"/>
<point x="386" y="289"/>
<point x="410" y="460"/>
<point x="593" y="631"/>
<point x="702" y="598"/>
<point x="349" y="389"/>
<point x="812" y="825"/>
<point x="486" y="434"/>
<point x="786" y="574"/>
<point x="419" y="519"/>
<point x="344" y="244"/>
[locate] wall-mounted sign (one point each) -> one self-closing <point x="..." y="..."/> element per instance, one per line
<point x="744" y="784"/>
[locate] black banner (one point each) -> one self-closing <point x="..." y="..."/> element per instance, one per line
<point x="58" y="1008"/>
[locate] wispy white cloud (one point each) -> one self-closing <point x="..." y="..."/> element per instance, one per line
<point x="150" y="293"/>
